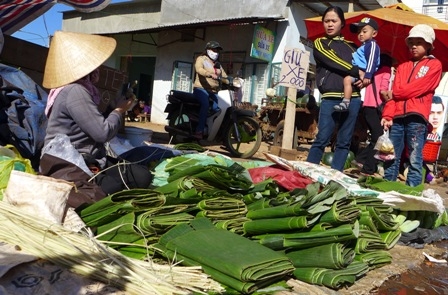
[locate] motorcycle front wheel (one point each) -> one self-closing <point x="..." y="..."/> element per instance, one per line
<point x="243" y="139"/>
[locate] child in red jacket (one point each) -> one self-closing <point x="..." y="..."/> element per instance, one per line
<point x="406" y="113"/>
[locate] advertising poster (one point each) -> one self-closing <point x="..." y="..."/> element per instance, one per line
<point x="263" y="44"/>
<point x="437" y="117"/>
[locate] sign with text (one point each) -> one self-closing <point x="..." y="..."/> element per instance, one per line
<point x="262" y="43"/>
<point x="295" y="66"/>
<point x="110" y="85"/>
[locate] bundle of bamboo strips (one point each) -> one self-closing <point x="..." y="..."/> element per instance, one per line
<point x="84" y="255"/>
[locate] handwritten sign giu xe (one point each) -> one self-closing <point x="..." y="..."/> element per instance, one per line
<point x="295" y="66"/>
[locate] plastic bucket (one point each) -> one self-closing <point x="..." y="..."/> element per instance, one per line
<point x="136" y="135"/>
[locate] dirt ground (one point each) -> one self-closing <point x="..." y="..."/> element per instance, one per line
<point x="404" y="258"/>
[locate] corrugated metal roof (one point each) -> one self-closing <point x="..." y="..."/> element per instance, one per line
<point x="200" y="11"/>
<point x="116" y="18"/>
<point x="156" y="15"/>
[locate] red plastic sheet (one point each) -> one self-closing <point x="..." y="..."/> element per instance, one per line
<point x="286" y="179"/>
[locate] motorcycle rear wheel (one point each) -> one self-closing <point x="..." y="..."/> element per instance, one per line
<point x="250" y="135"/>
<point x="182" y="123"/>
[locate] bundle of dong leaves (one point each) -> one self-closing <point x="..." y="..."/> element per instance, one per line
<point x="248" y="236"/>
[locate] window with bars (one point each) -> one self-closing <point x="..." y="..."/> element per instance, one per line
<point x="255" y="77"/>
<point x="182" y="76"/>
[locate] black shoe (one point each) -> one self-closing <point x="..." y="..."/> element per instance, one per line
<point x="214" y="111"/>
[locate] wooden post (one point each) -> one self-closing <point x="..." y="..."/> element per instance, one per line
<point x="290" y="117"/>
<point x="294" y="70"/>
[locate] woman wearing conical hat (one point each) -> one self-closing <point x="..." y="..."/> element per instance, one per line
<point x="71" y="71"/>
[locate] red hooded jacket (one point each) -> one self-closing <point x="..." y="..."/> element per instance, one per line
<point x="413" y="89"/>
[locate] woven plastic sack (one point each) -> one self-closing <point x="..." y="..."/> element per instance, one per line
<point x="38" y="195"/>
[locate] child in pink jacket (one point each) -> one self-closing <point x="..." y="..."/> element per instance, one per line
<point x="372" y="115"/>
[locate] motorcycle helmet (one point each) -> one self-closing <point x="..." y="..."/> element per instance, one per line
<point x="213" y="45"/>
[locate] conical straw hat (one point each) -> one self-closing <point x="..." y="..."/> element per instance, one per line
<point x="74" y="55"/>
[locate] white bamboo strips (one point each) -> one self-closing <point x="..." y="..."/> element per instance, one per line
<point x="84" y="255"/>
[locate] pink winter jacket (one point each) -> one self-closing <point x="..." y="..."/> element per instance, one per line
<point x="382" y="78"/>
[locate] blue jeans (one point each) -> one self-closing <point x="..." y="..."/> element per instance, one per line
<point x="202" y="96"/>
<point x="410" y="133"/>
<point x="328" y="120"/>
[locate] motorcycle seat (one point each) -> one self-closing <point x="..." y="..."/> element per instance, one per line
<point x="184" y="96"/>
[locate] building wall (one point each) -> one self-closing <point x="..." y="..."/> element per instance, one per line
<point x="158" y="15"/>
<point x="170" y="49"/>
<point x="119" y="17"/>
<point x="232" y="38"/>
<point x="29" y="57"/>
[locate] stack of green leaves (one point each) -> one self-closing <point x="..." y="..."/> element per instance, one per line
<point x="331" y="256"/>
<point x="134" y="233"/>
<point x="319" y="235"/>
<point x="332" y="238"/>
<point x="224" y="255"/>
<point x="225" y="212"/>
<point x="379" y="232"/>
<point x="119" y="204"/>
<point x="222" y="208"/>
<point x="331" y="278"/>
<point x="231" y="178"/>
<point x="278" y="219"/>
<point x="235" y="225"/>
<point x="189" y="189"/>
<point x="410" y="220"/>
<point x="267" y="189"/>
<point x="333" y="230"/>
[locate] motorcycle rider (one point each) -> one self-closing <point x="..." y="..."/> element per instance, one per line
<point x="207" y="83"/>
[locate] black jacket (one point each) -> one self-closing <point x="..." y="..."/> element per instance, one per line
<point x="334" y="62"/>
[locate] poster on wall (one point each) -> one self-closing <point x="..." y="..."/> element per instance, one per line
<point x="263" y="44"/>
<point x="437" y="117"/>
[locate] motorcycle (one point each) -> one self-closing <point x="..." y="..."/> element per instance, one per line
<point x="237" y="128"/>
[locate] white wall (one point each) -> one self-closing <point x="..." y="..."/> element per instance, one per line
<point x="170" y="49"/>
<point x="443" y="85"/>
<point x="234" y="39"/>
<point x="416" y="5"/>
